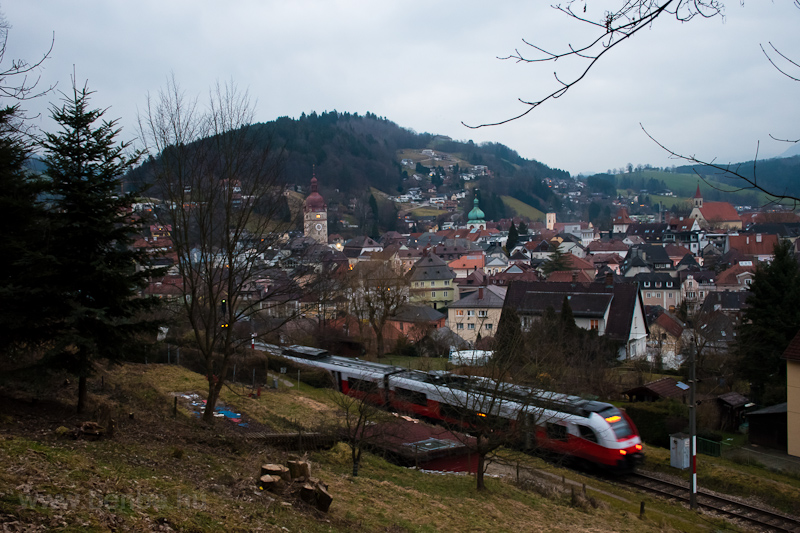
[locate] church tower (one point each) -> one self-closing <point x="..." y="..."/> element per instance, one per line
<point x="698" y="198"/>
<point x="315" y="215"/>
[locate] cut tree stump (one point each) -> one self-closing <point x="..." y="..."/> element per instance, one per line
<point x="299" y="469"/>
<point x="307" y="493"/>
<point x="324" y="499"/>
<point x="276" y="470"/>
<point x="270" y="483"/>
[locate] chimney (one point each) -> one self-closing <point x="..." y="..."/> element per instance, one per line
<point x="609" y="279"/>
<point x="480" y="293"/>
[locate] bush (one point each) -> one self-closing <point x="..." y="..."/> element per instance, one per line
<point x="656" y="421"/>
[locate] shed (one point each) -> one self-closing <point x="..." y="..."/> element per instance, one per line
<point x="768" y="427"/>
<point x="732" y="408"/>
<point x="656" y="390"/>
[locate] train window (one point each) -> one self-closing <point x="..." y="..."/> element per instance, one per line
<point x="410" y="396"/>
<point x="614" y="417"/>
<point x="448" y="411"/>
<point x="556" y="431"/>
<point x="587" y="433"/>
<point x="362" y="385"/>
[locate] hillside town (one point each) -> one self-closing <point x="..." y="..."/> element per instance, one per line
<point x="655" y="289"/>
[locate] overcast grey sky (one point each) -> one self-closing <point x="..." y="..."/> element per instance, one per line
<point x="702" y="88"/>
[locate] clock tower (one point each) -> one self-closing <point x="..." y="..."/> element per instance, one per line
<point x="315" y="215"/>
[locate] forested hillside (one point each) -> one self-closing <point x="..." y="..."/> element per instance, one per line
<point x="349" y="153"/>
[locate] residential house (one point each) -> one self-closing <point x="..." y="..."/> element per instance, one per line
<point x="754" y="246"/>
<point x="695" y="286"/>
<point x="737" y="278"/>
<point x="613" y="246"/>
<point x="432" y="282"/>
<point x="415" y="321"/>
<point x="665" y="343"/>
<point x="792" y="356"/>
<point x="466" y="264"/>
<point x="477" y="315"/>
<point x="613" y="309"/>
<point x="659" y="288"/>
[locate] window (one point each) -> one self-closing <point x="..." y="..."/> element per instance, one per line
<point x="670" y="295"/>
<point x="556" y="432"/>
<point x="447" y="283"/>
<point x="482" y="313"/>
<point x="658" y="284"/>
<point x="748" y="282"/>
<point x="459" y="312"/>
<point x="362" y="385"/>
<point x="690" y="295"/>
<point x="471" y="312"/>
<point x="649" y="295"/>
<point x="488" y="326"/>
<point x="410" y="396"/>
<point x="646" y="283"/>
<point x="658" y="295"/>
<point x="594" y="324"/>
<point x="459" y="326"/>
<point x="587" y="433"/>
<point x="470" y="326"/>
<point x="446" y="294"/>
<point x="433" y="294"/>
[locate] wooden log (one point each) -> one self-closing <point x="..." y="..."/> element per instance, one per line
<point x="307" y="493"/>
<point x="299" y="469"/>
<point x="324" y="499"/>
<point x="267" y="482"/>
<point x="275" y="470"/>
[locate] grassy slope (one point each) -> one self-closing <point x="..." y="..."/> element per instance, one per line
<point x="522" y="209"/>
<point x="684" y="186"/>
<point x="159" y="471"/>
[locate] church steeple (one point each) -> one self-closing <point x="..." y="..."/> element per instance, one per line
<point x="698" y="198"/>
<point x="315" y="214"/>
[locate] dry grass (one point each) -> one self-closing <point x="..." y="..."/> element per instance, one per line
<point x="164" y="473"/>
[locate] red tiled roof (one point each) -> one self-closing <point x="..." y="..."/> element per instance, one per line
<point x="729" y="276"/>
<point x="753" y="244"/>
<point x="576" y="263"/>
<point x="719" y="212"/>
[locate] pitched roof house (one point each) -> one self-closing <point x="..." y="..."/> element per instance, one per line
<point x="613" y="309"/>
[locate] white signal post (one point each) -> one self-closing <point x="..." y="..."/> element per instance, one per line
<point x="693" y="427"/>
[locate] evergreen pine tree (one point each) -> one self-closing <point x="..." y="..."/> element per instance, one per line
<point x="557" y="261"/>
<point x="770" y="322"/>
<point x="25" y="312"/>
<point x="513" y="239"/>
<point x="92" y="230"/>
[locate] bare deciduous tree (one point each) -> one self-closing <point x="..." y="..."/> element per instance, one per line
<point x="219" y="178"/>
<point x="377" y="291"/>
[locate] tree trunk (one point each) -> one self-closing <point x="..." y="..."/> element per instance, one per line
<point x="379" y="340"/>
<point x="356" y="460"/>
<point x="211" y="401"/>
<point x="81" y="394"/>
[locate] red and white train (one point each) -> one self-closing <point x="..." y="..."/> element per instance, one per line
<point x="592" y="432"/>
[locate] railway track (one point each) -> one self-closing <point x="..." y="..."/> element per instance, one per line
<point x="753" y="515"/>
